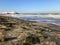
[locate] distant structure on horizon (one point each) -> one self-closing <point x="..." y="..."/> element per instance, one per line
<point x="8" y="13"/>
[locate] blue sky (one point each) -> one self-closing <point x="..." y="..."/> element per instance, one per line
<point x="30" y="5"/>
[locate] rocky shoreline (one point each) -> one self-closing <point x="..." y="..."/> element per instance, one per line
<point x="15" y="31"/>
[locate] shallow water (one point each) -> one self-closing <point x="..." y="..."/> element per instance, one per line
<point x="48" y="20"/>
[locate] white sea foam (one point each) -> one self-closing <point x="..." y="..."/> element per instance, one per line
<point x="43" y="16"/>
<point x="38" y="18"/>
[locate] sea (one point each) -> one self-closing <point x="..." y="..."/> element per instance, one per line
<point x="53" y="19"/>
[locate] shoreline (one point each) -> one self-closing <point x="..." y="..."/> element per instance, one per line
<point x="41" y="20"/>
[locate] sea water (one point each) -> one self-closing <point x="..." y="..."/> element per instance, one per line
<point x="53" y="19"/>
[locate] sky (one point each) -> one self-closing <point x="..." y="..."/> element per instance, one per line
<point x="30" y="6"/>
